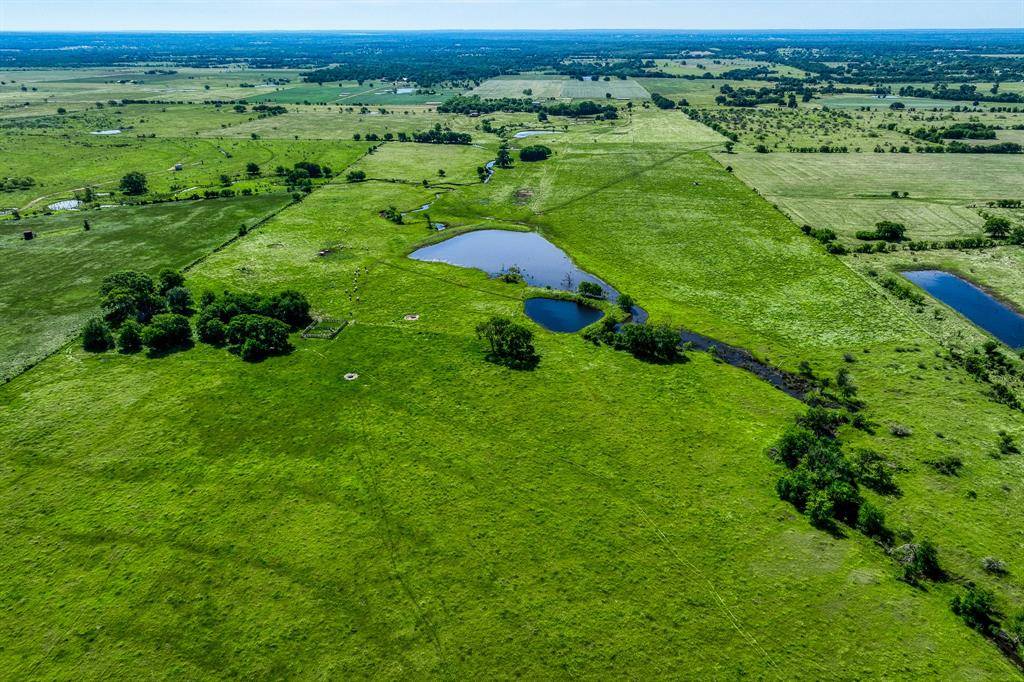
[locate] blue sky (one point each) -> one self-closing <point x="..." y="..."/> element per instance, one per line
<point x="221" y="15"/>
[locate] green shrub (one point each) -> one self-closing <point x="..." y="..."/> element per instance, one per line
<point x="167" y="331"/>
<point x="536" y="152"/>
<point x="129" y="294"/>
<point x="820" y="509"/>
<point x="977" y="608"/>
<point x="179" y="301"/>
<point x="590" y="289"/>
<point x="96" y="336"/>
<point x="626" y="303"/>
<point x="793" y="446"/>
<point x="651" y="343"/>
<point x="170" y="279"/>
<point x="510" y="344"/>
<point x="290" y="307"/>
<point x="212" y="331"/>
<point x="129" y="338"/>
<point x="871" y="521"/>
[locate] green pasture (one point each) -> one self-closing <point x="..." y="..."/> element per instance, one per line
<point x="559" y="87"/>
<point x="198" y="516"/>
<point x="51" y="282"/>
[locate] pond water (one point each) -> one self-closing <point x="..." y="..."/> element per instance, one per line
<point x="541" y="263"/>
<point x="65" y="205"/>
<point x="530" y="133"/>
<point x="995" y="317"/>
<point x="105" y="132"/>
<point x="560" y="316"/>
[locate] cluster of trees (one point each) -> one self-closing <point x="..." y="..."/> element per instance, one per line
<point x="966" y="92"/>
<point x="301" y="175"/>
<point x="536" y="152"/>
<point x="886" y="230"/>
<point x="466" y="104"/>
<point x="956" y="147"/>
<point x="437" y="135"/>
<point x="140" y="312"/>
<point x="16" y="184"/>
<point x="659" y="344"/>
<point x="661" y="101"/>
<point x="133" y="183"/>
<point x="957" y="131"/>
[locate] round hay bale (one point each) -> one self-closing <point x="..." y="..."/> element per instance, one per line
<point x="351" y="376"/>
<point x="411" y="318"/>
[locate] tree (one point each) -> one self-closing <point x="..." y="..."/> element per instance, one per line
<point x="133" y="183"/>
<point x="820" y="509"/>
<point x="355" y="176"/>
<point x="626" y="303"/>
<point x="167" y="331"/>
<point x="871" y="521"/>
<point x="170" y="279"/>
<point x="258" y="336"/>
<point x="510" y="344"/>
<point x="504" y="159"/>
<point x="129" y="294"/>
<point x="536" y="152"/>
<point x="890" y="231"/>
<point x="129" y="338"/>
<point x="179" y="301"/>
<point x="290" y="307"/>
<point x="252" y="169"/>
<point x="96" y="336"/>
<point x="212" y="331"/>
<point x="977" y="608"/>
<point x="590" y="289"/>
<point x="997" y="227"/>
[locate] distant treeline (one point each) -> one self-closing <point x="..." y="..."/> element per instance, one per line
<point x="468" y="104"/>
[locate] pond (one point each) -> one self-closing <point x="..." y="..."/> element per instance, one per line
<point x="541" y="263"/>
<point x="530" y="133"/>
<point x="65" y="205"/>
<point x="972" y="302"/>
<point x="105" y="132"/>
<point x="560" y="316"/>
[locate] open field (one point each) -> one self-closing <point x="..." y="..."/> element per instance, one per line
<point x="559" y="87"/>
<point x="847" y="192"/>
<point x="699" y="93"/>
<point x="50" y="283"/>
<point x="441" y="515"/>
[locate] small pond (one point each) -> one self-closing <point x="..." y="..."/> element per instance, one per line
<point x="560" y="316"/>
<point x="530" y="133"/>
<point x="995" y="317"/>
<point x="65" y="205"/>
<point x="105" y="132"/>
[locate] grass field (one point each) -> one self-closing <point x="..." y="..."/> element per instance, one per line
<point x="850" y="192"/>
<point x="559" y="87"/>
<point x="198" y="516"/>
<point x="52" y="281"/>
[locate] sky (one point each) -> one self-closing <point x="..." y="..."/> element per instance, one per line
<point x="227" y="15"/>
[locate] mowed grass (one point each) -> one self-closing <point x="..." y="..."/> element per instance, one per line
<point x="850" y="192"/>
<point x="559" y="87"/>
<point x="51" y="283"/>
<point x="197" y="516"/>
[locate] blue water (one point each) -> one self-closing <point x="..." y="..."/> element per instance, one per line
<point x="994" y="317"/>
<point x="560" y="316"/>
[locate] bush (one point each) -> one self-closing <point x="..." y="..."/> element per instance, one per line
<point x="510" y="344"/>
<point x="626" y="303"/>
<point x="874" y="471"/>
<point x="536" y="152"/>
<point x="822" y="421"/>
<point x="919" y="561"/>
<point x="133" y="183"/>
<point x="129" y="294"/>
<point x="949" y="465"/>
<point x="96" y="336"/>
<point x="590" y="290"/>
<point x="845" y="500"/>
<point x="658" y="344"/>
<point x="871" y="521"/>
<point x="129" y="338"/>
<point x="900" y="431"/>
<point x="994" y="566"/>
<point x="793" y="446"/>
<point x="356" y="176"/>
<point x="794" y="487"/>
<point x="258" y="336"/>
<point x="977" y="608"/>
<point x="167" y="331"/>
<point x="179" y="301"/>
<point x="820" y="509"/>
<point x="213" y="331"/>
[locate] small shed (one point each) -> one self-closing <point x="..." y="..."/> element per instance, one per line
<point x="28" y="234"/>
<point x="177" y="166"/>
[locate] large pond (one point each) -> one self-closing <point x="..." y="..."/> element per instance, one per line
<point x="541" y="263"/>
<point x="996" y="318"/>
<point x="560" y="316"/>
<point x="530" y="133"/>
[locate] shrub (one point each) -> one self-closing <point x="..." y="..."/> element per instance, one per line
<point x="356" y="176"/>
<point x="994" y="566"/>
<point x="871" y="521"/>
<point x="874" y="471"/>
<point x="510" y="344"/>
<point x="820" y="509"/>
<point x="890" y="231"/>
<point x="179" y="301"/>
<point x="213" y="331"/>
<point x="96" y="336"/>
<point x="900" y="431"/>
<point x="167" y="331"/>
<point x="659" y="344"/>
<point x="822" y="421"/>
<point x="919" y="561"/>
<point x="129" y="294"/>
<point x="536" y="152"/>
<point x="258" y="336"/>
<point x="129" y="338"/>
<point x="590" y="289"/>
<point x="977" y="608"/>
<point x="133" y="183"/>
<point x="794" y="487"/>
<point x="845" y="500"/>
<point x="949" y="465"/>
<point x="793" y="446"/>
<point x="625" y="303"/>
